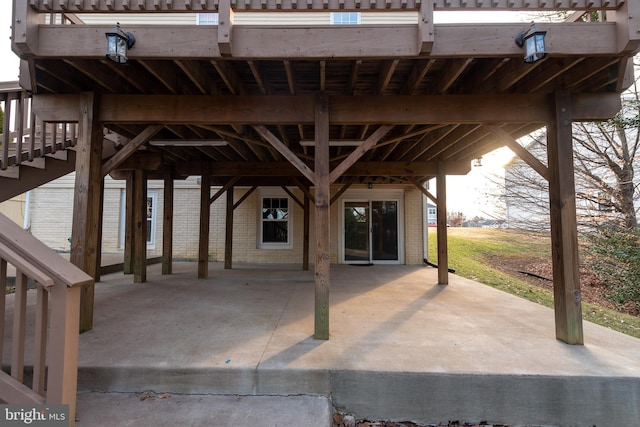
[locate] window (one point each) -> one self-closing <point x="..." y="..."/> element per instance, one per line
<point x="345" y="18"/>
<point x="207" y="19"/>
<point x="275" y="223"/>
<point x="151" y="213"/>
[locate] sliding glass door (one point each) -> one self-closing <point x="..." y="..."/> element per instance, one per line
<point x="371" y="231"/>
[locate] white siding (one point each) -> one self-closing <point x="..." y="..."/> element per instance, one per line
<point x="248" y="18"/>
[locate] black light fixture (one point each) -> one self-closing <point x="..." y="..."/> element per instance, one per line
<point x="118" y="42"/>
<point x="533" y="42"/>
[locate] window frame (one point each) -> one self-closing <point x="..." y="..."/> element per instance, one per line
<point x="347" y="21"/>
<point x="274" y="194"/>
<point x="151" y="222"/>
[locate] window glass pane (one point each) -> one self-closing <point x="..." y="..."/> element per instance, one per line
<point x="274" y="232"/>
<point x="345" y="18"/>
<point x="207" y="19"/>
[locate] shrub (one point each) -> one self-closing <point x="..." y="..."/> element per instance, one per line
<point x="614" y="256"/>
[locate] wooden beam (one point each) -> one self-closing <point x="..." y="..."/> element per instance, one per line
<point x="265" y="169"/>
<point x="245" y="196"/>
<point x="205" y="212"/>
<point x="564" y="233"/>
<point x="293" y="196"/>
<point x="139" y="226"/>
<point x="441" y="228"/>
<point x="86" y="203"/>
<point x="130" y="148"/>
<point x="358" y="152"/>
<point x="167" y="226"/>
<point x="344" y="110"/>
<point x="228" y="235"/>
<point x="224" y="188"/>
<point x="627" y="26"/>
<point x="305" y="190"/>
<point x="342" y="189"/>
<point x="322" y="186"/>
<point x="423" y="190"/>
<point x="225" y="27"/>
<point x="426" y="28"/>
<point x="321" y="41"/>
<point x="146" y="160"/>
<point x="520" y="151"/>
<point x="286" y="152"/>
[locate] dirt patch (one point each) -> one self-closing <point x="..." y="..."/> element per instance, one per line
<point x="539" y="273"/>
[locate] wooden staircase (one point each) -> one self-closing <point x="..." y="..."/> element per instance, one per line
<point x="33" y="153"/>
<point x="55" y="313"/>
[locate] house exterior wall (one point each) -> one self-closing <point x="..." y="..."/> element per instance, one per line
<point x="249" y="18"/>
<point x="52" y="212"/>
<point x="14" y="209"/>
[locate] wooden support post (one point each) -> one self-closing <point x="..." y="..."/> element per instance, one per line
<point x="86" y="204"/>
<point x="205" y="211"/>
<point x="128" y="225"/>
<point x="305" y="233"/>
<point x="441" y="228"/>
<point x="167" y="226"/>
<point x="564" y="231"/>
<point x="96" y="275"/>
<point x="322" y="183"/>
<point x="140" y="226"/>
<point x="228" y="235"/>
<point x="62" y="378"/>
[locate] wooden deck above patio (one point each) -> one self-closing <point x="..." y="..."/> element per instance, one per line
<point x="438" y="85"/>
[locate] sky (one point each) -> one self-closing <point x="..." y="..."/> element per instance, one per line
<point x="465" y="194"/>
<point x="9" y="63"/>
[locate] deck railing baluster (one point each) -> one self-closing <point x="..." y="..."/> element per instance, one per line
<point x="40" y="346"/>
<point x="32" y="137"/>
<point x="4" y="158"/>
<point x="43" y="138"/>
<point x="3" y="294"/>
<point x="19" y="326"/>
<point x="54" y="136"/>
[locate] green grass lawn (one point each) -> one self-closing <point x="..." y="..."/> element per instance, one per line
<point x="471" y="248"/>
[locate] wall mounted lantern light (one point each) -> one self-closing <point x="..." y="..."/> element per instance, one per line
<point x="118" y="42"/>
<point x="533" y="42"/>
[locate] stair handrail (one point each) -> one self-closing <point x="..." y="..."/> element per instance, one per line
<point x="58" y="286"/>
<point x="30" y="138"/>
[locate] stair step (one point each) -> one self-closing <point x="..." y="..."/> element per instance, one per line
<point x="38" y="163"/>
<point x="59" y="155"/>
<point x="12" y="172"/>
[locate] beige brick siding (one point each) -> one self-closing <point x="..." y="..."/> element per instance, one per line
<point x="52" y="210"/>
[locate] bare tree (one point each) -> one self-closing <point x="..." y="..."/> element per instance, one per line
<point x="606" y="173"/>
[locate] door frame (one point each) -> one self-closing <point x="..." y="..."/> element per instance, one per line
<point x="366" y="195"/>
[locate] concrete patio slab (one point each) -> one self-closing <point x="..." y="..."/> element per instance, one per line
<point x="401" y="347"/>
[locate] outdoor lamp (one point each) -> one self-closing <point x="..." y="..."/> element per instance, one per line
<point x="533" y="42"/>
<point x="117" y="44"/>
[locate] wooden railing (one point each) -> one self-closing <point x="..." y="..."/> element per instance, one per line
<point x="55" y="346"/>
<point x="128" y="6"/>
<point x="24" y="137"/>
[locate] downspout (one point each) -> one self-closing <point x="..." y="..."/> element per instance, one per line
<point x="425" y="233"/>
